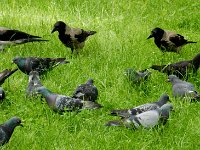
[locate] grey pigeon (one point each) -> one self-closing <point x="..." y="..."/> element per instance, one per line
<point x="33" y="84"/>
<point x="2" y="94"/>
<point x="7" y="129"/>
<point x="137" y="76"/>
<point x="124" y="113"/>
<point x="41" y="65"/>
<point x="5" y="74"/>
<point x="180" y="69"/>
<point x="182" y="88"/>
<point x="168" y="41"/>
<point x="74" y="38"/>
<point x="61" y="103"/>
<point x="86" y="92"/>
<point x="147" y="119"/>
<point x="10" y="37"/>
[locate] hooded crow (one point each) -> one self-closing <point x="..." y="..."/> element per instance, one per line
<point x="73" y="38"/>
<point x="168" y="41"/>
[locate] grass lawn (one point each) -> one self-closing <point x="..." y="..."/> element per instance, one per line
<point x="122" y="28"/>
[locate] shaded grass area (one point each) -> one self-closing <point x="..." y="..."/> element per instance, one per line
<point x="122" y="28"/>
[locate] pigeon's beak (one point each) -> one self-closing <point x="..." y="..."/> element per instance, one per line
<point x="54" y="29"/>
<point x="167" y="80"/>
<point x="150" y="36"/>
<point x="22" y="123"/>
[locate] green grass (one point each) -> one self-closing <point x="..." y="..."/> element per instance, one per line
<point x="122" y="27"/>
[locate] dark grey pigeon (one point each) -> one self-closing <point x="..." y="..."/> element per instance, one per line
<point x="10" y="37"/>
<point x="74" y="38"/>
<point x="168" y="41"/>
<point x="137" y="76"/>
<point x="86" y="92"/>
<point x="7" y="128"/>
<point x="2" y="94"/>
<point x="41" y="65"/>
<point x="124" y="113"/>
<point x="180" y="69"/>
<point x="182" y="88"/>
<point x="33" y="84"/>
<point x="61" y="103"/>
<point x="5" y="74"/>
<point x="147" y="119"/>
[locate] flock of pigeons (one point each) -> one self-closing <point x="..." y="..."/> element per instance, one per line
<point x="85" y="95"/>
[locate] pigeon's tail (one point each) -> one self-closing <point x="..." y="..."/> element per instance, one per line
<point x="122" y="113"/>
<point x="114" y="123"/>
<point x="91" y="32"/>
<point x="60" y="61"/>
<point x="157" y="67"/>
<point x="188" y="42"/>
<point x="11" y="72"/>
<point x="7" y="73"/>
<point x="91" y="105"/>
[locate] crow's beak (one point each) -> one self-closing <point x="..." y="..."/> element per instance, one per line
<point x="150" y="36"/>
<point x="54" y="29"/>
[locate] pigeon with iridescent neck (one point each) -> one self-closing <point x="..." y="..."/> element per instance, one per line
<point x="7" y="129"/>
<point x="61" y="103"/>
<point x="41" y="65"/>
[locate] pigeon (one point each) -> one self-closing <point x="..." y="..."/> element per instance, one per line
<point x="61" y="103"/>
<point x="5" y="74"/>
<point x="180" y="69"/>
<point x="41" y="65"/>
<point x="124" y="113"/>
<point x="168" y="41"/>
<point x="74" y="38"/>
<point x="33" y="84"/>
<point x="14" y="37"/>
<point x="182" y="88"/>
<point x="147" y="119"/>
<point x="7" y="128"/>
<point x="86" y="92"/>
<point x="137" y="76"/>
<point x="2" y="94"/>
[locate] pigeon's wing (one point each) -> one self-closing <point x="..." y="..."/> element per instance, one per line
<point x="65" y="103"/>
<point x="182" y="89"/>
<point x="142" y="108"/>
<point x="148" y="119"/>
